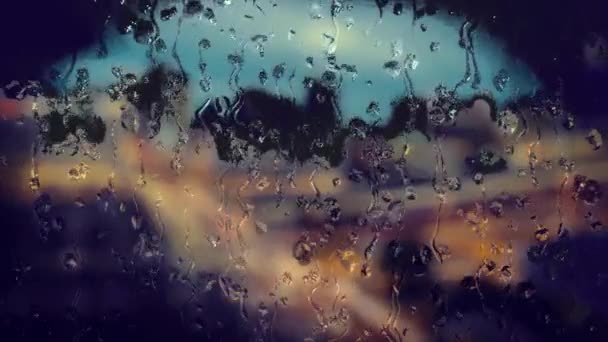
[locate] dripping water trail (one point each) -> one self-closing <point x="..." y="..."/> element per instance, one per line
<point x="64" y="79"/>
<point x="409" y="85"/>
<point x="114" y="155"/>
<point x="335" y="7"/>
<point x="233" y="80"/>
<point x="156" y="32"/>
<point x="436" y="251"/>
<point x="278" y="184"/>
<point x="466" y="42"/>
<point x="174" y="53"/>
<point x="290" y="83"/>
<point x="563" y="184"/>
<point x="439" y="180"/>
<point x="476" y="74"/>
<point x="246" y="208"/>
<point x="391" y="322"/>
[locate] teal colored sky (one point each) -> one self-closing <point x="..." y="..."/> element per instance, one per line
<point x="367" y="44"/>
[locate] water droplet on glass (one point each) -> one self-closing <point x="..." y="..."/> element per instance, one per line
<point x="263" y="77"/>
<point x="373" y="109"/>
<point x="501" y="80"/>
<point x="136" y="221"/>
<point x="454" y="183"/>
<point x="309" y="62"/>
<point x="144" y="32"/>
<point x="366" y="270"/>
<point x="541" y="234"/>
<point x="260" y="40"/>
<point x="398" y="8"/>
<point x="588" y="190"/>
<point x="232" y="33"/>
<point x="410" y="193"/>
<point x="168" y="13"/>
<point x="508" y="121"/>
<point x="214" y="240"/>
<point x="79" y="202"/>
<point x="262" y="183"/>
<point x="315" y="11"/>
<point x="434" y="46"/>
<point x="278" y="71"/>
<point x="160" y="45"/>
<point x="204" y="44"/>
<point x="261" y="227"/>
<point x="70" y="261"/>
<point x="206" y="83"/>
<point x="594" y="138"/>
<point x="349" y="23"/>
<point x="496" y="208"/>
<point x="210" y="15"/>
<point x="411" y="62"/>
<point x="302" y="251"/>
<point x="396" y="48"/>
<point x="393" y="68"/>
<point x="58" y="224"/>
<point x="478" y="178"/>
<point x="192" y="8"/>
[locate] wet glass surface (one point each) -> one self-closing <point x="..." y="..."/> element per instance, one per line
<point x="323" y="170"/>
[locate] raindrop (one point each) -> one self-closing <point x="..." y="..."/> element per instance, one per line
<point x="79" y="202"/>
<point x="468" y="282"/>
<point x="263" y="77"/>
<point x="58" y="223"/>
<point x="373" y="109"/>
<point x="160" y="46"/>
<point x="214" y="240"/>
<point x="260" y="40"/>
<point x="291" y="34"/>
<point x="232" y="33"/>
<point x="278" y="71"/>
<point x="168" y="13"/>
<point x="508" y="122"/>
<point x="210" y="15"/>
<point x="496" y="208"/>
<point x="594" y="138"/>
<point x="261" y="227"/>
<point x="136" y="221"/>
<point x="366" y="270"/>
<point x="393" y="68"/>
<point x="262" y="183"/>
<point x="70" y="261"/>
<point x="434" y="46"/>
<point x="204" y="44"/>
<point x="396" y="48"/>
<point x="309" y="62"/>
<point x="410" y="193"/>
<point x="411" y="62"/>
<point x="315" y="11"/>
<point x="144" y="32"/>
<point x="454" y="183"/>
<point x="398" y="8"/>
<point x="478" y="178"/>
<point x="541" y="234"/>
<point x="501" y="80"/>
<point x="349" y="23"/>
<point x="193" y="7"/>
<point x="588" y="190"/>
<point x="302" y="251"/>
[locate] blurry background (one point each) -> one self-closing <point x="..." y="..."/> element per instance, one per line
<point x="124" y="247"/>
